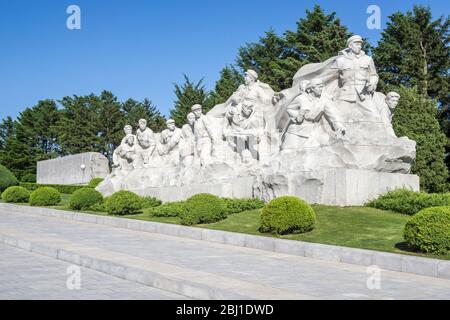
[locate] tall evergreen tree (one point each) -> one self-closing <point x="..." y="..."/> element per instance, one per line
<point x="415" y="117"/>
<point x="188" y="94"/>
<point x="33" y="139"/>
<point x="109" y="123"/>
<point x="229" y="82"/>
<point x="135" y="110"/>
<point x="271" y="59"/>
<point x="319" y="36"/>
<point x="77" y="127"/>
<point x="7" y="130"/>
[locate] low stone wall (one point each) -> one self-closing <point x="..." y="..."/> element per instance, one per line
<point x="75" y="169"/>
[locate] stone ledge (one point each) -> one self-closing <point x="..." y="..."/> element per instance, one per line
<point x="388" y="261"/>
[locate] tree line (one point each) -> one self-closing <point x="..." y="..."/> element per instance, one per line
<point x="412" y="57"/>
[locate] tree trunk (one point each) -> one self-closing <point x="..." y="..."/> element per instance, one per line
<point x="425" y="69"/>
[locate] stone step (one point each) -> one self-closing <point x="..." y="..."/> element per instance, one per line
<point x="184" y="281"/>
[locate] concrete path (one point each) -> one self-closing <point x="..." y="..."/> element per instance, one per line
<point x="207" y="270"/>
<point x="29" y="276"/>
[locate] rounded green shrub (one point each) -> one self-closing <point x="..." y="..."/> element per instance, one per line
<point x="409" y="202"/>
<point x="7" y="179"/>
<point x="286" y="215"/>
<point x="85" y="198"/>
<point x="203" y="208"/>
<point x="123" y="203"/>
<point x="95" y="182"/>
<point x="16" y="195"/>
<point x="429" y="230"/>
<point x="45" y="196"/>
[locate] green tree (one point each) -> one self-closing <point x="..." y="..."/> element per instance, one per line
<point x="7" y="130"/>
<point x="319" y="36"/>
<point x="135" y="110"/>
<point x="271" y="59"/>
<point x="414" y="51"/>
<point x="415" y="117"/>
<point x="229" y="82"/>
<point x="188" y="94"/>
<point x="77" y="128"/>
<point x="33" y="138"/>
<point x="110" y="121"/>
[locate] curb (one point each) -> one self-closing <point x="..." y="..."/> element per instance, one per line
<point x="388" y="261"/>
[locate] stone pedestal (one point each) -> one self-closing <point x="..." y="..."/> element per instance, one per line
<point x="340" y="187"/>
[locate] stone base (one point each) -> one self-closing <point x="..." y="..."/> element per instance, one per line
<point x="238" y="188"/>
<point x="341" y="187"/>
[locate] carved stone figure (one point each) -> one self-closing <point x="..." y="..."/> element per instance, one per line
<point x="306" y="113"/>
<point x="204" y="135"/>
<point x="128" y="153"/>
<point x="187" y="149"/>
<point x="146" y="141"/>
<point x="128" y="130"/>
<point x="387" y="105"/>
<point x="358" y="81"/>
<point x="170" y="141"/>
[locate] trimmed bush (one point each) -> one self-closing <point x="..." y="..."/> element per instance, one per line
<point x="409" y="202"/>
<point x="45" y="196"/>
<point x="123" y="203"/>
<point x="7" y="179"/>
<point x="16" y="195"/>
<point x="29" y="177"/>
<point x="66" y="189"/>
<point x="429" y="231"/>
<point x="239" y="205"/>
<point x="84" y="199"/>
<point x="203" y="208"/>
<point x="169" y="209"/>
<point x="286" y="215"/>
<point x="95" y="182"/>
<point x="150" y="202"/>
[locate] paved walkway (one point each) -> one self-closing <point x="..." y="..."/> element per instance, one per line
<point x="251" y="272"/>
<point x="29" y="276"/>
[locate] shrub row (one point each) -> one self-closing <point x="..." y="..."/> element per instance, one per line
<point x="409" y="202"/>
<point x="66" y="189"/>
<point x="7" y="179"/>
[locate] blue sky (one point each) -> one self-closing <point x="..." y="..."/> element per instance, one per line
<point x="138" y="48"/>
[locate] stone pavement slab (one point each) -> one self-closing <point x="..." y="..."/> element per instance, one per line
<point x="29" y="276"/>
<point x="244" y="272"/>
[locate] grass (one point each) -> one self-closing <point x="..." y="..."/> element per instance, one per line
<point x="354" y="227"/>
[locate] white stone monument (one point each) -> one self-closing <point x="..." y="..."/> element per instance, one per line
<point x="75" y="169"/>
<point x="328" y="139"/>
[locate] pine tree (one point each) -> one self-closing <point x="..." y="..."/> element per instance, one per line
<point x="188" y="94"/>
<point x="229" y="82"/>
<point x="109" y="123"/>
<point x="414" y="51"/>
<point x="135" y="110"/>
<point x="271" y="59"/>
<point x="415" y="117"/>
<point x="77" y="128"/>
<point x="319" y="36"/>
<point x="156" y="121"/>
<point x="7" y="130"/>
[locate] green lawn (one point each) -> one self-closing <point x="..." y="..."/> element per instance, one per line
<point x="355" y="227"/>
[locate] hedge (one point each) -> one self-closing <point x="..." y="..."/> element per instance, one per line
<point x="85" y="198"/>
<point x="203" y="208"/>
<point x="16" y="194"/>
<point x="65" y="189"/>
<point x="44" y="197"/>
<point x="123" y="203"/>
<point x="7" y="179"/>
